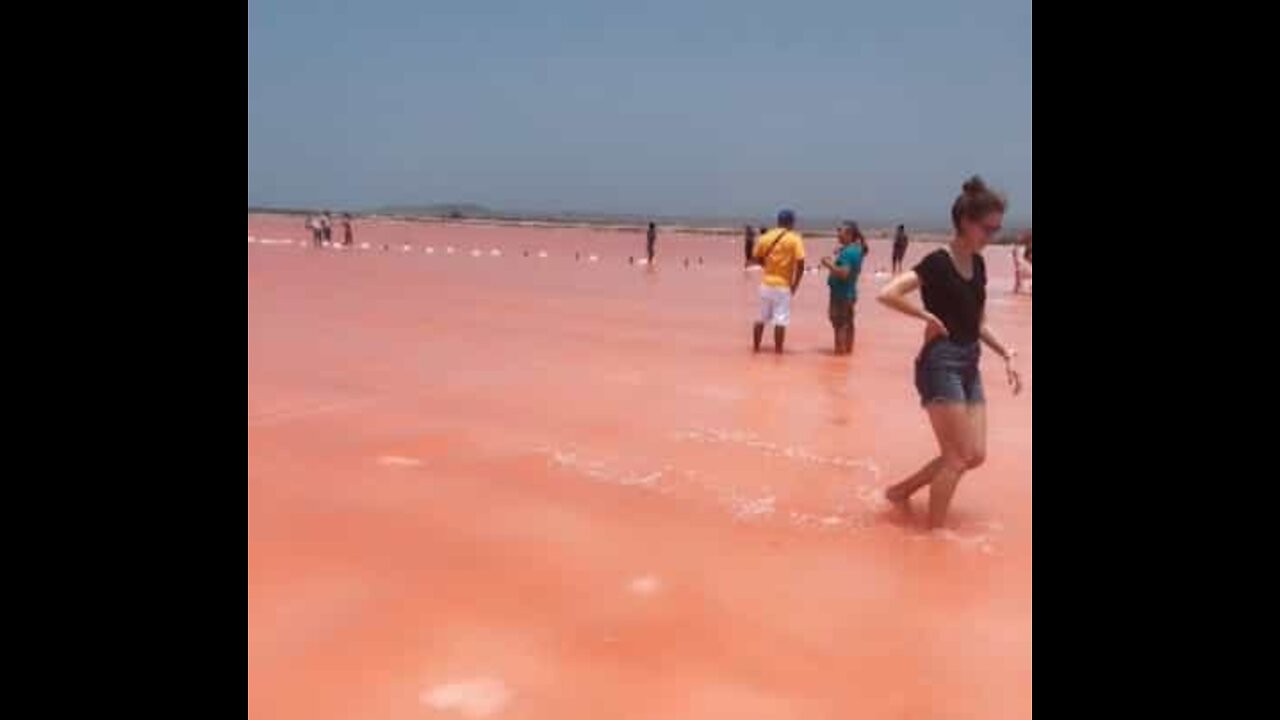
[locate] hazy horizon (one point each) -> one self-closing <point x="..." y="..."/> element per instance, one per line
<point x="805" y="222"/>
<point x="722" y="110"/>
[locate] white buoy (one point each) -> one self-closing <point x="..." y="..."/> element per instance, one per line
<point x="252" y="239"/>
<point x="449" y="250"/>
<point x="475" y="253"/>
<point x="495" y="252"/>
<point x="407" y="248"/>
<point x="542" y="253"/>
<point x="593" y="258"/>
<point x="364" y="246"/>
<point x="431" y="251"/>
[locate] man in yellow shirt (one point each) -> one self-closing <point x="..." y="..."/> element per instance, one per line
<point x="781" y="252"/>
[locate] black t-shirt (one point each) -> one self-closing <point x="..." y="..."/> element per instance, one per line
<point x="957" y="302"/>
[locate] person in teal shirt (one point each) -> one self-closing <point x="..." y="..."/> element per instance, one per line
<point x="843" y="281"/>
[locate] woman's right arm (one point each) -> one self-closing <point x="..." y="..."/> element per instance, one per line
<point x="894" y="295"/>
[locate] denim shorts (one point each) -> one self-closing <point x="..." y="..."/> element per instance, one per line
<point x="947" y="372"/>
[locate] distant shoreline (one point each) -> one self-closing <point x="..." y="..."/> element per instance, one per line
<point x="628" y="225"/>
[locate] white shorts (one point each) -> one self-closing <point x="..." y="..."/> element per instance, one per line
<point x="775" y="305"/>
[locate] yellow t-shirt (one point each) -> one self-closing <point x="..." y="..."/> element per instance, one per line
<point x="780" y="265"/>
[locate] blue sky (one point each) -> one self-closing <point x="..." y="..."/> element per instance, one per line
<point x="874" y="110"/>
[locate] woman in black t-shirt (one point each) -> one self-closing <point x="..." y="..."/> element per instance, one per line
<point x="953" y="284"/>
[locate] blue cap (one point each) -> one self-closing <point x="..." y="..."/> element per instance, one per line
<point x="786" y="217"/>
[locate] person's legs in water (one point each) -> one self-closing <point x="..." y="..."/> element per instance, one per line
<point x="837" y="315"/>
<point x="849" y="330"/>
<point x="1017" y="272"/>
<point x="968" y="424"/>
<point x="957" y="412"/>
<point x="775" y="307"/>
<point x="901" y="492"/>
<point x="844" y="330"/>
<point x="765" y="316"/>
<point x="781" y="316"/>
<point x="650" y="248"/>
<point x="953" y="426"/>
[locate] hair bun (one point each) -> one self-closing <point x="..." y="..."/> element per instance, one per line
<point x="974" y="186"/>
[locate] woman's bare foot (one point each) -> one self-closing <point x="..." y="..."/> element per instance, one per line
<point x="895" y="495"/>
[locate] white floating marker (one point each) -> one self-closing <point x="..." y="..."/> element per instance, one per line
<point x="399" y="461"/>
<point x="495" y="252"/>
<point x="542" y="253"/>
<point x="252" y="239"/>
<point x="431" y="250"/>
<point x="364" y="246"/>
<point x="593" y="258"/>
<point x="449" y="250"/>
<point x="475" y="253"/>
<point x="646" y="585"/>
<point x="407" y="248"/>
<point x="476" y="698"/>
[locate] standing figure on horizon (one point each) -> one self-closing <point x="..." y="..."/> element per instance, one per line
<point x="1021" y="263"/>
<point x="313" y="224"/>
<point x="326" y="227"/>
<point x="900" y="242"/>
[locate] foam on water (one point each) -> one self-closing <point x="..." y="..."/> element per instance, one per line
<point x="475" y="698"/>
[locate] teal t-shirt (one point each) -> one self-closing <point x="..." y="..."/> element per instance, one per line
<point x="850" y="257"/>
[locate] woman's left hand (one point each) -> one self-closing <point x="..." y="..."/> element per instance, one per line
<point x="1011" y="374"/>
